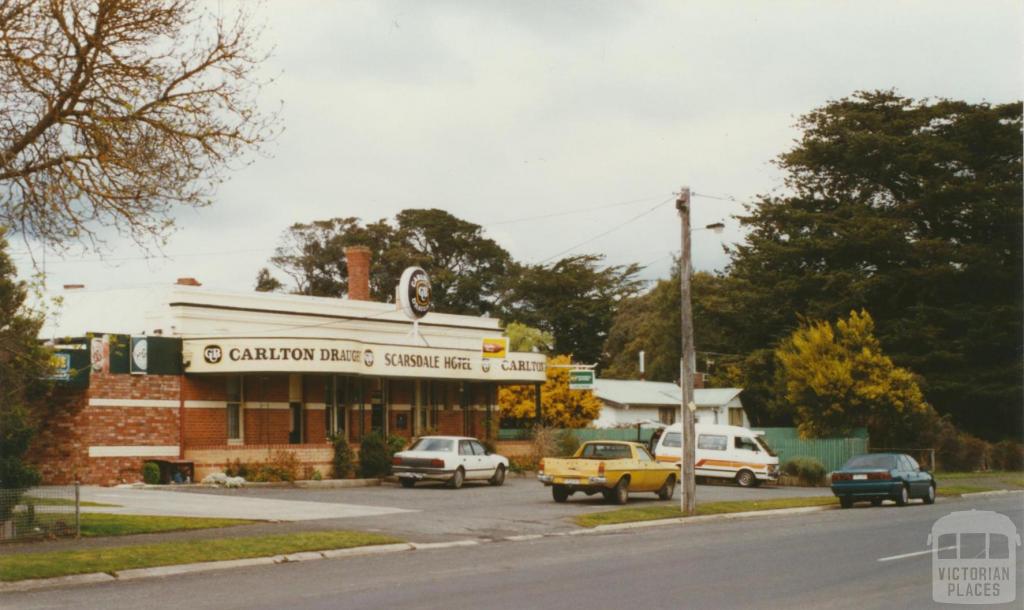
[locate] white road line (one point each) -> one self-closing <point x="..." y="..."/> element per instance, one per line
<point x="915" y="554"/>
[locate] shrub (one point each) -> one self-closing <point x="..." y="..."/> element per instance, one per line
<point x="282" y="467"/>
<point x="567" y="443"/>
<point x="344" y="458"/>
<point x="1008" y="455"/>
<point x="151" y="473"/>
<point x="15" y="475"/>
<point x="808" y="470"/>
<point x="545" y="443"/>
<point x="396" y="444"/>
<point x="520" y="464"/>
<point x="310" y="473"/>
<point x="374" y="457"/>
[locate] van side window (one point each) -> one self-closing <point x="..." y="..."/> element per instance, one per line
<point x="748" y="444"/>
<point x="673" y="439"/>
<point x="714" y="442"/>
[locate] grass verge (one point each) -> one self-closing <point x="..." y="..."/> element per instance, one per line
<point x="114" y="559"/>
<point x="650" y="513"/>
<point x="62" y="502"/>
<point x="101" y="524"/>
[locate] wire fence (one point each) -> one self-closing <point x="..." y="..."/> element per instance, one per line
<point x="40" y="512"/>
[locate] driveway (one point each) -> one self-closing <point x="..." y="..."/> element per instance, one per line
<point x="148" y="501"/>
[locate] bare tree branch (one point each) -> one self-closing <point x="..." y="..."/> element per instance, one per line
<point x="115" y="112"/>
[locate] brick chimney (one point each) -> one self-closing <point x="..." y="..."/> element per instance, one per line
<point x="358" y="260"/>
<point x="187" y="281"/>
<point x="698" y="381"/>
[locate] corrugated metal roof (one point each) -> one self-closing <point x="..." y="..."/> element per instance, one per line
<point x="634" y="392"/>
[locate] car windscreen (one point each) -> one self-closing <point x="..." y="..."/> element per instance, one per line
<point x="673" y="439"/>
<point x="433" y="444"/>
<point x="764" y="445"/>
<point x="884" y="462"/>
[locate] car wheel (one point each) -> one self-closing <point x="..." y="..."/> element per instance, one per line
<point x="745" y="478"/>
<point x="560" y="493"/>
<point x="668" y="489"/>
<point x="876" y="501"/>
<point x="499" y="477"/>
<point x="620" y="495"/>
<point x="407" y="482"/>
<point x="457" y="478"/>
<point x="929" y="498"/>
<point x="845" y="502"/>
<point x="903" y="497"/>
<point x="608" y="494"/>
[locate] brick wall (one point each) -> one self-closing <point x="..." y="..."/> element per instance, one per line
<point x="265" y="426"/>
<point x="213" y="387"/>
<point x="61" y="448"/>
<point x="315" y="432"/>
<point x="211" y="459"/>
<point x="206" y="427"/>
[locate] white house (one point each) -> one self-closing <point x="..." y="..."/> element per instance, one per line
<point x="627" y="402"/>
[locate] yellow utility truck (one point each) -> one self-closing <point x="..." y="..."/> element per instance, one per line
<point x="613" y="468"/>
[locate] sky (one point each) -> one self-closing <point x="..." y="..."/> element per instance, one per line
<point x="589" y="115"/>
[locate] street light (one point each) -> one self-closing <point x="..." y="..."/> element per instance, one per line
<point x="688" y="485"/>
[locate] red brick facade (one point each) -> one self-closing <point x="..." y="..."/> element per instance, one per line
<point x="104" y="434"/>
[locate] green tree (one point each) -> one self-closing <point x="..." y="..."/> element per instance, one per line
<point x="465" y="267"/>
<point x="910" y="209"/>
<point x="523" y="338"/>
<point x="265" y="282"/>
<point x="574" y="299"/>
<point x="651" y="322"/>
<point x="113" y="113"/>
<point x="24" y="364"/>
<point x="837" y="378"/>
<point x="560" y="406"/>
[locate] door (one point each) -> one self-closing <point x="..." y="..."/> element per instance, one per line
<point x="469" y="460"/>
<point x="377" y="418"/>
<point x="488" y="464"/>
<point x="649" y="474"/>
<point x="295" y="428"/>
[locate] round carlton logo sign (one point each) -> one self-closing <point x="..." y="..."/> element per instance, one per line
<point x="414" y="292"/>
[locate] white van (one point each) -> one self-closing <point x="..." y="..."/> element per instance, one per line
<point x="729" y="452"/>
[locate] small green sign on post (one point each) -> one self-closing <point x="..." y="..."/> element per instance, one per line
<point x="581" y="380"/>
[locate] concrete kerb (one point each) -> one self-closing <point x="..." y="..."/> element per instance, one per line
<point x="162" y="571"/>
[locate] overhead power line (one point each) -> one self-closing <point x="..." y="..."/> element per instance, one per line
<point x="609" y="231"/>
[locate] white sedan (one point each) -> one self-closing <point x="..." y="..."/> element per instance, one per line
<point x="453" y="459"/>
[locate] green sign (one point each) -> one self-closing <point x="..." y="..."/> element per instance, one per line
<point x="581" y="380"/>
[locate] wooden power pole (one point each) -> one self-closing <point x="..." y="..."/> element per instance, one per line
<point x="688" y="485"/>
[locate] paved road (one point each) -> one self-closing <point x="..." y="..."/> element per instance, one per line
<point x="822" y="560"/>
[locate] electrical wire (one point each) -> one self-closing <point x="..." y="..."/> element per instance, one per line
<point x="609" y="231"/>
<point x="567" y="212"/>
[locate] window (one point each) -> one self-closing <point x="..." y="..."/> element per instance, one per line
<point x="667" y="415"/>
<point x="443" y="445"/>
<point x="234" y="407"/>
<point x="642" y="455"/>
<point x="913" y="463"/>
<point x="602" y="451"/>
<point x="673" y="439"/>
<point x="735" y="416"/>
<point x="478" y="448"/>
<point x="747" y="444"/>
<point x="714" y="442"/>
<point x="465" y="448"/>
<point x="882" y="461"/>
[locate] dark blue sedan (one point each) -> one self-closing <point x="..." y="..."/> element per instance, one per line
<point x="876" y="477"/>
